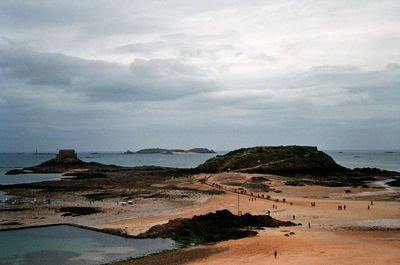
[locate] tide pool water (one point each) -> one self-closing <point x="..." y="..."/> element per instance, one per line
<point x="63" y="244"/>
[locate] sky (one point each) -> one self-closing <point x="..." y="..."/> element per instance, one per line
<point x="117" y="75"/>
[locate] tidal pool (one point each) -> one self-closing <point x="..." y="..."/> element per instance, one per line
<point x="64" y="244"/>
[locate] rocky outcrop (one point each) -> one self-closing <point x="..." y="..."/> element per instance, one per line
<point x="270" y="159"/>
<point x="293" y="161"/>
<point x="212" y="227"/>
<point x="64" y="161"/>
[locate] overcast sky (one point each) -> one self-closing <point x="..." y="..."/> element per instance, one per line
<point x="117" y="75"/>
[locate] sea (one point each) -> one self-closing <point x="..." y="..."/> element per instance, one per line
<point x="382" y="159"/>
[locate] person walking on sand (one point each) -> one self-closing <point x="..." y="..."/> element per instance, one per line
<point x="344" y="207"/>
<point x="294" y="217"/>
<point x="309" y="225"/>
<point x="275" y="253"/>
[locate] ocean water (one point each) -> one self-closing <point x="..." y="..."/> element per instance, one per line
<point x="9" y="161"/>
<point x="63" y="244"/>
<point x="389" y="160"/>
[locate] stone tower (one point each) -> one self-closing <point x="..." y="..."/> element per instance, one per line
<point x="66" y="155"/>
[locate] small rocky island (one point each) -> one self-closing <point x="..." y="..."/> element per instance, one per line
<point x="293" y="161"/>
<point x="175" y="151"/>
<point x="65" y="160"/>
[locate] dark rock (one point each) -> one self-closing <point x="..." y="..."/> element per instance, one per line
<point x="77" y="211"/>
<point x="11" y="223"/>
<point x="394" y="183"/>
<point x="87" y="174"/>
<point x="212" y="227"/>
<point x="15" y="172"/>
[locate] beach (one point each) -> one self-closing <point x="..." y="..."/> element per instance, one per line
<point x="360" y="234"/>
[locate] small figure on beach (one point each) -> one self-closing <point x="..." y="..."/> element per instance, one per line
<point x="291" y="203"/>
<point x="294" y="217"/>
<point x="372" y="203"/>
<point x="339" y="207"/>
<point x="309" y="225"/>
<point x="344" y="207"/>
<point x="269" y="212"/>
<point x="275" y="253"/>
<point x="368" y="207"/>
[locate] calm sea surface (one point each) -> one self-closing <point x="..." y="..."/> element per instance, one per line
<point x="389" y="160"/>
<point x="63" y="244"/>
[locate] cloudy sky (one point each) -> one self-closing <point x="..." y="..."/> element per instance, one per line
<point x="117" y="75"/>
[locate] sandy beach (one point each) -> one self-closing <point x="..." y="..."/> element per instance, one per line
<point x="352" y="236"/>
<point x="360" y="234"/>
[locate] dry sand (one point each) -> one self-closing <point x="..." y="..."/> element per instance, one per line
<point x="352" y="236"/>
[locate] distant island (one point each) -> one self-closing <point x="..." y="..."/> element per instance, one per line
<point x="172" y="151"/>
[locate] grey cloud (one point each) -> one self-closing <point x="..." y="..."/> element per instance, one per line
<point x="199" y="70"/>
<point x="101" y="81"/>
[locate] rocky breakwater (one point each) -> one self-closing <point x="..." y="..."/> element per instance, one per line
<point x="293" y="161"/>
